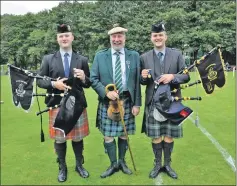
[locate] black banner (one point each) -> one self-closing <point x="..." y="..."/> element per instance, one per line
<point x="211" y="71"/>
<point x="22" y="88"/>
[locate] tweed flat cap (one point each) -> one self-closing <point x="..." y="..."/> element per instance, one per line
<point x="117" y="29"/>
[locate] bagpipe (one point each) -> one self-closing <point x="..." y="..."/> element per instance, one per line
<point x="71" y="105"/>
<point x="169" y="107"/>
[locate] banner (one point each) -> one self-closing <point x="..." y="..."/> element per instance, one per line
<point x="22" y="88"/>
<point x="211" y="71"/>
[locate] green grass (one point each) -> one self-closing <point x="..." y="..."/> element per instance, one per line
<point x="27" y="161"/>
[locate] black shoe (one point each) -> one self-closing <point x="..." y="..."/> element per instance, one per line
<point x="124" y="168"/>
<point x="111" y="170"/>
<point x="82" y="171"/>
<point x="62" y="174"/>
<point x="170" y="172"/>
<point x="155" y="171"/>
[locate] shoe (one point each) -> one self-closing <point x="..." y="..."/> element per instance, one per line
<point x="123" y="167"/>
<point x="170" y="172"/>
<point x="111" y="170"/>
<point x="82" y="171"/>
<point x="156" y="170"/>
<point x="62" y="174"/>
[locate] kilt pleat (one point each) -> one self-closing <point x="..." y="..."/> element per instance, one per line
<point x="80" y="130"/>
<point x="112" y="128"/>
<point x="156" y="129"/>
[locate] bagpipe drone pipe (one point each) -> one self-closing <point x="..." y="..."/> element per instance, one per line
<point x="71" y="105"/>
<point x="169" y="107"/>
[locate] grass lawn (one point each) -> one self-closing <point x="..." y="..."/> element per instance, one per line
<point x="27" y="161"/>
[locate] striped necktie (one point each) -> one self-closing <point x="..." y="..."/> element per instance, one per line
<point x="118" y="74"/>
<point x="66" y="65"/>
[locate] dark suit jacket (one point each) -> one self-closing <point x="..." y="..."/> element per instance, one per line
<point x="102" y="74"/>
<point x="52" y="66"/>
<point x="174" y="62"/>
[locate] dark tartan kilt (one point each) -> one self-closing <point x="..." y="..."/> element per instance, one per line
<point x="156" y="129"/>
<point x="80" y="130"/>
<point x="112" y="128"/>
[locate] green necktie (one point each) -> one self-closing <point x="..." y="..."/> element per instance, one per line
<point x="118" y="74"/>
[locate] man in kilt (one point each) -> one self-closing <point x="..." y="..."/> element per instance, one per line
<point x="65" y="64"/>
<point x="120" y="66"/>
<point x="163" y="63"/>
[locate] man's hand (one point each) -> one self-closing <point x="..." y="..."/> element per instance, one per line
<point x="166" y="78"/>
<point x="145" y="73"/>
<point x="79" y="74"/>
<point x="135" y="110"/>
<point x="60" y="85"/>
<point x="113" y="95"/>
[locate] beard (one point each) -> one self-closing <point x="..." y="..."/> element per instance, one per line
<point x="117" y="46"/>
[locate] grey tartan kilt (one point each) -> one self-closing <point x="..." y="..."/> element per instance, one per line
<point x="156" y="129"/>
<point x="112" y="128"/>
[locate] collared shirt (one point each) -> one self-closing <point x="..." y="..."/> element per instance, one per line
<point x="62" y="52"/>
<point x="174" y="81"/>
<point x="162" y="51"/>
<point x="122" y="59"/>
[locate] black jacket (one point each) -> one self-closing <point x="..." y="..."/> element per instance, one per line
<point x="52" y="66"/>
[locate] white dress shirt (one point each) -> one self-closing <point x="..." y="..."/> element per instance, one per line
<point x="62" y="52"/>
<point x="123" y="66"/>
<point x="162" y="51"/>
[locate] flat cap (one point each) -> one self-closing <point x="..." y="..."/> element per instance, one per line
<point x="116" y="29"/>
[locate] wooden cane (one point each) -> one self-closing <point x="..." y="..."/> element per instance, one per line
<point x="122" y="120"/>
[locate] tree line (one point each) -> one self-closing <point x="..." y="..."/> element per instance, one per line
<point x="195" y="27"/>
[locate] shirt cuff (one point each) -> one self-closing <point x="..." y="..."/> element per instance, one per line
<point x="52" y="83"/>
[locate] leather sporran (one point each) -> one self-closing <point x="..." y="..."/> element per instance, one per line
<point x="113" y="110"/>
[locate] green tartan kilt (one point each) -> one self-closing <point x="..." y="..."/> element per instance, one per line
<point x="156" y="129"/>
<point x="112" y="128"/>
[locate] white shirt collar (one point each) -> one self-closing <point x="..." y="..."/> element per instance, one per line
<point x="62" y="52"/>
<point x="162" y="51"/>
<point x="121" y="51"/>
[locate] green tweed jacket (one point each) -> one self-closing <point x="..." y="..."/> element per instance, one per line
<point x="101" y="74"/>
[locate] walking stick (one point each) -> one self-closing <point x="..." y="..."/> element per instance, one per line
<point x="122" y="120"/>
